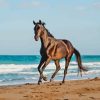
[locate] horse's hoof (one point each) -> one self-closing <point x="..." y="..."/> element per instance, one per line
<point x="39" y="83"/>
<point x="63" y="82"/>
<point x="51" y="80"/>
<point x="45" y="78"/>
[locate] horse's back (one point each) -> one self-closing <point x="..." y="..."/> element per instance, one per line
<point x="68" y="43"/>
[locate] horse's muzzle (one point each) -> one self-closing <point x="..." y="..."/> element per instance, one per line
<point x="36" y="38"/>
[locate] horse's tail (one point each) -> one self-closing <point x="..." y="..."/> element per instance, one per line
<point x="78" y="58"/>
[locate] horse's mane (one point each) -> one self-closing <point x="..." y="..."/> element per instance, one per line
<point x="42" y="23"/>
<point x="49" y="34"/>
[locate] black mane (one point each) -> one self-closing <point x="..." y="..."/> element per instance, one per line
<point x="42" y="23"/>
<point x="49" y="34"/>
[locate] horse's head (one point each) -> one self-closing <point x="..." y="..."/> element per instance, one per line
<point x="38" y="29"/>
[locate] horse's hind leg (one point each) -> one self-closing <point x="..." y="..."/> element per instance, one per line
<point x="67" y="60"/>
<point x="57" y="69"/>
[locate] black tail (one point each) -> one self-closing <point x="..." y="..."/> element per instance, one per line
<point x="78" y="57"/>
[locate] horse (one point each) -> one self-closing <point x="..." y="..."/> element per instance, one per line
<point x="54" y="49"/>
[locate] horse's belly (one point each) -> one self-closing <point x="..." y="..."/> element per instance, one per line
<point x="61" y="53"/>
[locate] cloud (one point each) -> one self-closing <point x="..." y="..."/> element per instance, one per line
<point x="3" y="4"/>
<point x="30" y="4"/>
<point x="36" y="4"/>
<point x="81" y="7"/>
<point x="24" y="4"/>
<point x="96" y="5"/>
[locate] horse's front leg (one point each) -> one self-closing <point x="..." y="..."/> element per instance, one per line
<point x="43" y="67"/>
<point x="42" y="62"/>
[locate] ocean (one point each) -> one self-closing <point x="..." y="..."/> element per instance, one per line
<point x="21" y="69"/>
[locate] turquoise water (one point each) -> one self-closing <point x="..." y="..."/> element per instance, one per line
<point x="23" y="69"/>
<point x="34" y="59"/>
<point x="19" y="59"/>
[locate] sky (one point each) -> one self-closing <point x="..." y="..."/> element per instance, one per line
<point x="75" y="20"/>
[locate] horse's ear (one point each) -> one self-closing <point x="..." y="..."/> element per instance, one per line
<point x="43" y="24"/>
<point x="40" y="22"/>
<point x="34" y="22"/>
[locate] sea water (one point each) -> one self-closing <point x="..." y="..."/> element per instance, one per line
<point x="22" y="69"/>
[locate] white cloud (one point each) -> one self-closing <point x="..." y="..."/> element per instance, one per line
<point x="36" y="4"/>
<point x="3" y="3"/>
<point x="81" y="7"/>
<point x="96" y="5"/>
<point x="30" y="4"/>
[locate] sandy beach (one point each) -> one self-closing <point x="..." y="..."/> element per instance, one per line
<point x="72" y="90"/>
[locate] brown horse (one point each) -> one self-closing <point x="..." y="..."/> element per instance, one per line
<point x="54" y="49"/>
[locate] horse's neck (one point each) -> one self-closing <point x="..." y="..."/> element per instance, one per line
<point x="44" y="39"/>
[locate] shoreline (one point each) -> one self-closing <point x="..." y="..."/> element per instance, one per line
<point x="57" y="79"/>
<point x="36" y="82"/>
<point x="44" y="82"/>
<point x="87" y="89"/>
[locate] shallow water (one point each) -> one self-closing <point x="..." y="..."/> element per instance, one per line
<point x="23" y="69"/>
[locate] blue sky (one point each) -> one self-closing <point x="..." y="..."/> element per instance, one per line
<point x="75" y="20"/>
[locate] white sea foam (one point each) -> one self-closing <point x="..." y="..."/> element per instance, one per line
<point x="12" y="73"/>
<point x="27" y="69"/>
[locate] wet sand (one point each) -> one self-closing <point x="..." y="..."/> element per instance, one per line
<point x="71" y="90"/>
